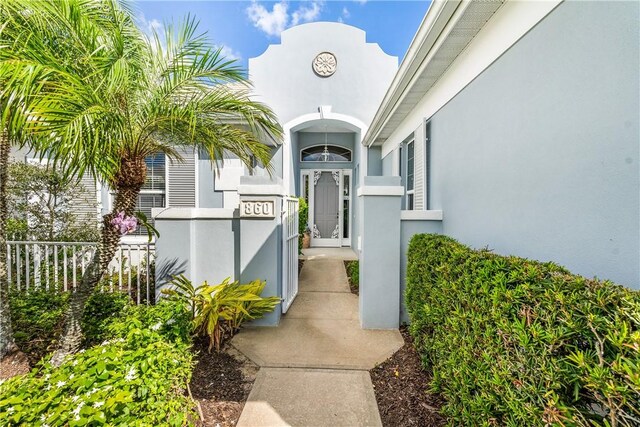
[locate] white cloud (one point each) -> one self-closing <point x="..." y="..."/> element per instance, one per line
<point x="272" y="23"/>
<point x="229" y="53"/>
<point x="149" y="25"/>
<point x="306" y="13"/>
<point x="345" y="13"/>
<point x="361" y="1"/>
<point x="275" y="21"/>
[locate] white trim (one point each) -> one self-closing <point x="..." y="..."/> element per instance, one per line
<point x="166" y="180"/>
<point x="325" y="243"/>
<point x="196" y="173"/>
<point x="434" y="215"/>
<point x="294" y="125"/>
<point x="380" y="190"/>
<point x="261" y="190"/>
<point x="439" y="13"/>
<point x="98" y="200"/>
<point x="508" y="25"/>
<point x="192" y="213"/>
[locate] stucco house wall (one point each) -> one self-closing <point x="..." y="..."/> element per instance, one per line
<point x="549" y="171"/>
<point x="283" y="77"/>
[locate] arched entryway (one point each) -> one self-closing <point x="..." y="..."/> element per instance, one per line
<point x="325" y="157"/>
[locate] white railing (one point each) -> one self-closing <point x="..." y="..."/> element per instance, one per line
<point x="59" y="266"/>
<point x="289" y="251"/>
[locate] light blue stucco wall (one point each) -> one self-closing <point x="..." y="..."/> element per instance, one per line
<point x="207" y="196"/>
<point x="550" y="171"/>
<point x="379" y="301"/>
<point x="374" y="161"/>
<point x="201" y="249"/>
<point x="387" y="164"/>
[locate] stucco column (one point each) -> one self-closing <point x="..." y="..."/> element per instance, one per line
<point x="380" y="198"/>
<point x="200" y="243"/>
<point x="260" y="237"/>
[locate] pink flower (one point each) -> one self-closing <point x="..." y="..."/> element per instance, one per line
<point x="124" y="224"/>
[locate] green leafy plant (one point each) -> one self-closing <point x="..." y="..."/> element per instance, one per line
<point x="101" y="309"/>
<point x="137" y="377"/>
<point x="37" y="321"/>
<point x="512" y="341"/>
<point x="37" y="317"/>
<point x="220" y="310"/>
<point x="353" y="273"/>
<point x="303" y="220"/>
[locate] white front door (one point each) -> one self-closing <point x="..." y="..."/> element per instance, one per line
<point x="329" y="207"/>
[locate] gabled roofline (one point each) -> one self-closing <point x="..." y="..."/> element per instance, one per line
<point x="446" y="30"/>
<point x="434" y="21"/>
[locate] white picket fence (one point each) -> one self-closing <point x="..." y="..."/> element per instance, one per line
<point x="59" y="266"/>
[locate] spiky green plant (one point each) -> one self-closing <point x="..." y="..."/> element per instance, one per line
<point x="220" y="310"/>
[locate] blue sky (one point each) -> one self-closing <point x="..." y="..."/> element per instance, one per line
<point x="244" y="29"/>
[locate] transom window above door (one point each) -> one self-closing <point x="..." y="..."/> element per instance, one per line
<point x="325" y="153"/>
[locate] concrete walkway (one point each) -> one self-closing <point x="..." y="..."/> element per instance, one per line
<point x="314" y="366"/>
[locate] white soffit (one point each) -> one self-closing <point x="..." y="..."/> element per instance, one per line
<point x="452" y="31"/>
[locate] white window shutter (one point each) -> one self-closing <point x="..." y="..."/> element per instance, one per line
<point x="419" y="167"/>
<point x="181" y="175"/>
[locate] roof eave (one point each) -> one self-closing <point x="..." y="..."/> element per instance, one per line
<point x="436" y="18"/>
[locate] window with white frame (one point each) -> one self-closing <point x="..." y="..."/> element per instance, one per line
<point x="406" y="170"/>
<point x="154" y="191"/>
<point x="427" y="165"/>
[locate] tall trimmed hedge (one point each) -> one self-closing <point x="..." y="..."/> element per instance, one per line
<point x="517" y="342"/>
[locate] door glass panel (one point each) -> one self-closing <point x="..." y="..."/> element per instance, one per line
<point x="345" y="206"/>
<point x="326" y="199"/>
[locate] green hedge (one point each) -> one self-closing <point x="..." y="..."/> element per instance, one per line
<point x="517" y="342"/>
<point x="137" y="377"/>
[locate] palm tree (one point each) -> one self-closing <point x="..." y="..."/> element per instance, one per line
<point x="128" y="96"/>
<point x="7" y="344"/>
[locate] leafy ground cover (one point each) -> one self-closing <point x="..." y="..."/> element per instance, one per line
<point x="38" y="317"/>
<point x="137" y="376"/>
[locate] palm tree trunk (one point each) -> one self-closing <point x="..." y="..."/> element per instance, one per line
<point x="7" y="344"/>
<point x="127" y="191"/>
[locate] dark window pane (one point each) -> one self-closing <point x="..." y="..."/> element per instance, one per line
<point x="410" y="166"/>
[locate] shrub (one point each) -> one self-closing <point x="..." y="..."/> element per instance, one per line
<point x="517" y="342"/>
<point x="303" y="220"/>
<point x="218" y="311"/>
<point x="353" y="272"/>
<point x="43" y="205"/>
<point x="137" y="378"/>
<point x="38" y="317"/>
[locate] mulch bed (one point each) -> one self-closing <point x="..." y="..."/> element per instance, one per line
<point x="15" y="363"/>
<point x="221" y="383"/>
<point x="401" y="388"/>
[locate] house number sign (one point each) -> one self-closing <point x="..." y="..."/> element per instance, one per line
<point x="257" y="209"/>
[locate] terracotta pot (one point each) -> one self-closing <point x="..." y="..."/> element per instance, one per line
<point x="306" y="241"/>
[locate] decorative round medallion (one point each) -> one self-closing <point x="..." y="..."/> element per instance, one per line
<point x="325" y="64"/>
